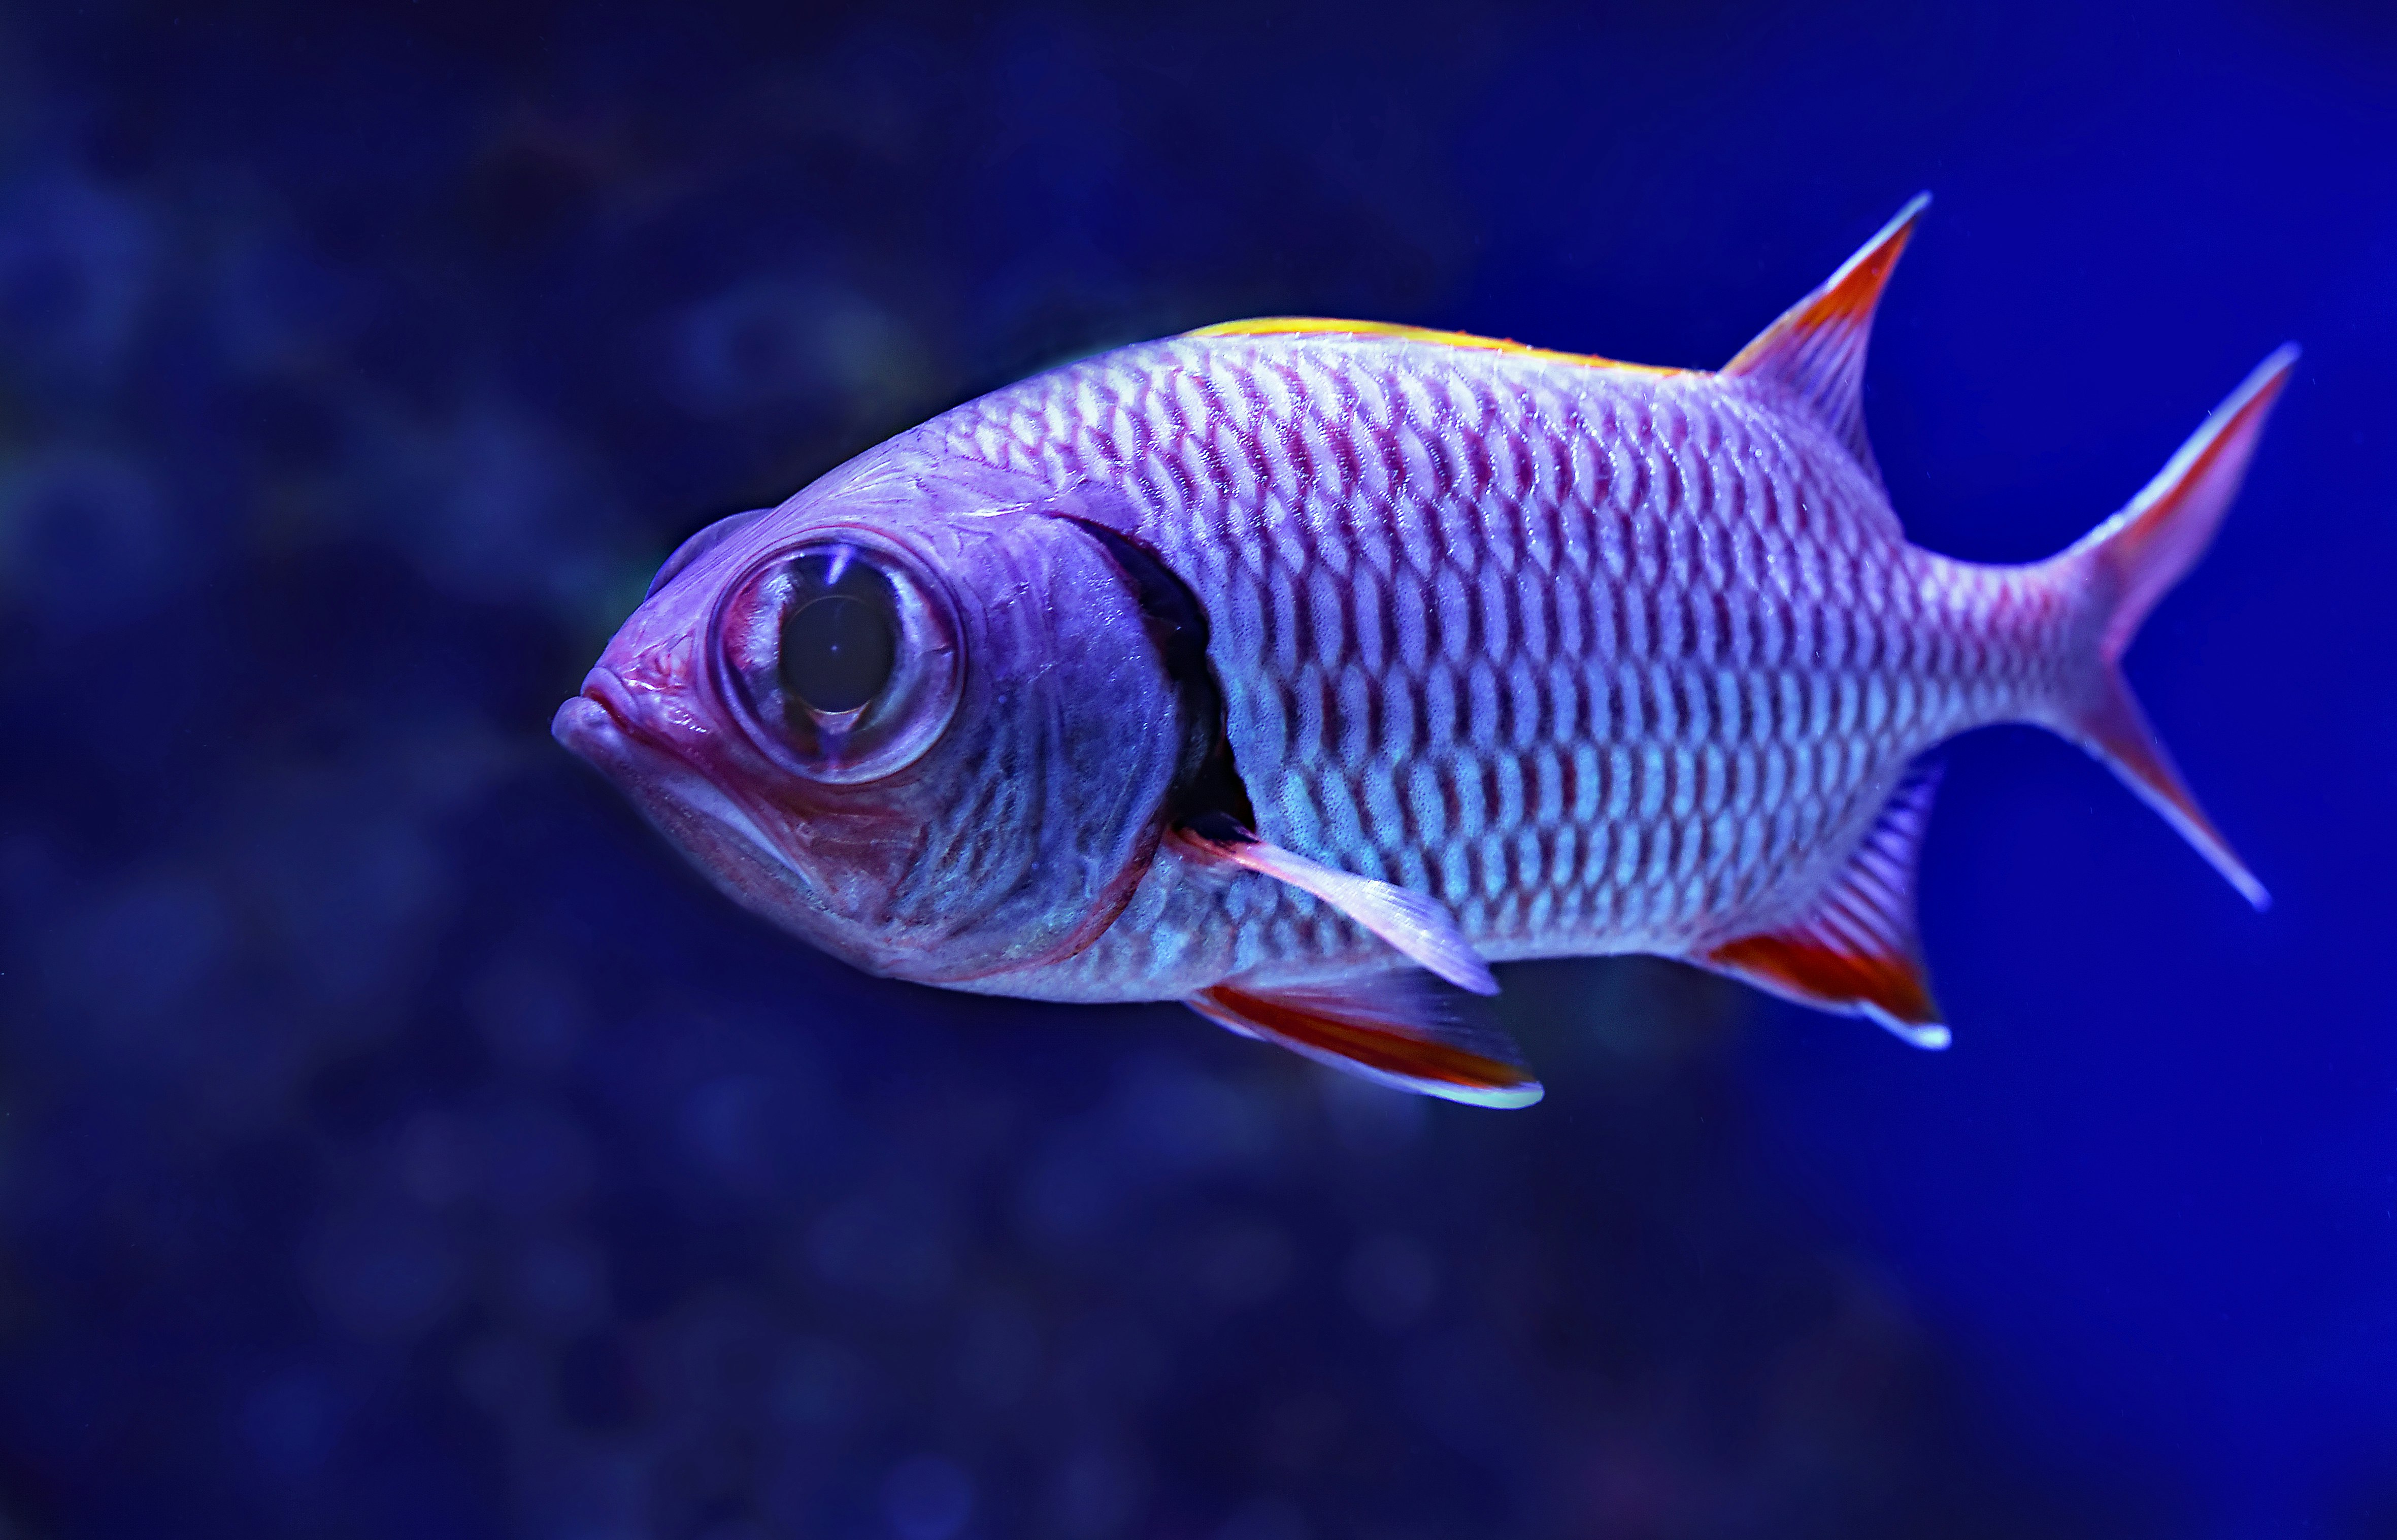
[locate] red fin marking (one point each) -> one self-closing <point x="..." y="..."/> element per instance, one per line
<point x="1836" y="976"/>
<point x="1367" y="1029"/>
<point x="1857" y="949"/>
<point x="1815" y="350"/>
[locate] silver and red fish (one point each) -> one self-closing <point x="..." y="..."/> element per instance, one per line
<point x="1281" y="667"/>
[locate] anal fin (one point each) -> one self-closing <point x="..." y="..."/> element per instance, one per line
<point x="1856" y="950"/>
<point x="1384" y="1027"/>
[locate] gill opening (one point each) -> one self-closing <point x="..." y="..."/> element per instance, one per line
<point x="1208" y="785"/>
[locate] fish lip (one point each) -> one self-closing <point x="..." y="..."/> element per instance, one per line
<point x="603" y="688"/>
<point x="600" y="727"/>
<point x="616" y="731"/>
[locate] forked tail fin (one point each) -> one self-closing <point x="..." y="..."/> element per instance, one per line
<point x="2129" y="562"/>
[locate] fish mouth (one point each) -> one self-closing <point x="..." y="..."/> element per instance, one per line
<point x="603" y="728"/>
<point x="598" y="726"/>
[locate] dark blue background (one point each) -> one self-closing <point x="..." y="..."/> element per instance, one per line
<point x="396" y="1141"/>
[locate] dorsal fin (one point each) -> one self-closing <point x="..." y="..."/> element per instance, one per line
<point x="1388" y="1027"/>
<point x="1321" y="325"/>
<point x="1856" y="949"/>
<point x="1816" y="351"/>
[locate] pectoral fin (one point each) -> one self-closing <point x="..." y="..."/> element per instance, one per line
<point x="1413" y="923"/>
<point x="1384" y="1027"/>
<point x="1856" y="949"/>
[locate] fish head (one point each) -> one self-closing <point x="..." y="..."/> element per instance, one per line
<point x="920" y="723"/>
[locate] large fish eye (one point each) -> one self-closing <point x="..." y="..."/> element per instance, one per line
<point x="838" y="654"/>
<point x="842" y="657"/>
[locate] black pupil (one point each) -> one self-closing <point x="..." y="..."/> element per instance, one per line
<point x="836" y="652"/>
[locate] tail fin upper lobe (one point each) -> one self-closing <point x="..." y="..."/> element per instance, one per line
<point x="2126" y="565"/>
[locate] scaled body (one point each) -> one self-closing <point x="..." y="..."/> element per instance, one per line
<point x="1249" y="667"/>
<point x="1606" y="660"/>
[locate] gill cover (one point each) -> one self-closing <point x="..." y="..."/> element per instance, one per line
<point x="919" y="722"/>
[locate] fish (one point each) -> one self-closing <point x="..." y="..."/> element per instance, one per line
<point x="1302" y="670"/>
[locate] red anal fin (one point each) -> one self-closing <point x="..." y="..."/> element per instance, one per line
<point x="1891" y="989"/>
<point x="1856" y="950"/>
<point x="1384" y="1029"/>
<point x="1815" y="351"/>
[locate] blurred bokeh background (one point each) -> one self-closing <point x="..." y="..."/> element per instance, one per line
<point x="395" y="1140"/>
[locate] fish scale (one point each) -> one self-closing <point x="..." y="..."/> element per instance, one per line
<point x="1246" y="667"/>
<point x="1602" y="668"/>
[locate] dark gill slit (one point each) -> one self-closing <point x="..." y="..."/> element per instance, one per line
<point x="1208" y="791"/>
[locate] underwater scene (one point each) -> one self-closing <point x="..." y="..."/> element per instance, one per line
<point x="670" y="670"/>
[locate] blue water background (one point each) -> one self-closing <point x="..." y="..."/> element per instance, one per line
<point x="396" y="1141"/>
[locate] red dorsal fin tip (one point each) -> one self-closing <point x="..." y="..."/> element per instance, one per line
<point x="1815" y="351"/>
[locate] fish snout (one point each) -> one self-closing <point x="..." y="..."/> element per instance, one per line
<point x="581" y="725"/>
<point x="626" y="734"/>
<point x="610" y="725"/>
<point x="587" y="722"/>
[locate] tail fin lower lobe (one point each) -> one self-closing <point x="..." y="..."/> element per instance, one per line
<point x="2129" y="562"/>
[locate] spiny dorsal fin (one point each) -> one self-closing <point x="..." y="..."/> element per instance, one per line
<point x="1856" y="950"/>
<point x="1816" y="351"/>
<point x="1386" y="1027"/>
<point x="1320" y="326"/>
